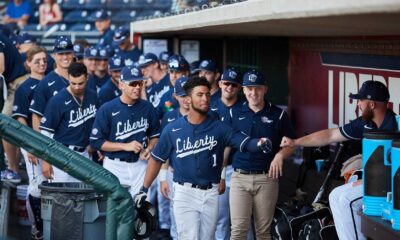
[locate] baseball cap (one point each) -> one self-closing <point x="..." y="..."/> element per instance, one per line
<point x="178" y="63"/>
<point x="102" y="53"/>
<point x="121" y="34"/>
<point x="231" y="75"/>
<point x="63" y="44"/>
<point x="194" y="67"/>
<point x="115" y="63"/>
<point x="146" y="59"/>
<point x="207" y="65"/>
<point x="78" y="51"/>
<point x="101" y="15"/>
<point x="90" y="52"/>
<point x="164" y="56"/>
<point x="372" y="90"/>
<point x="178" y="89"/>
<point x="253" y="78"/>
<point x="130" y="74"/>
<point x="25" y="38"/>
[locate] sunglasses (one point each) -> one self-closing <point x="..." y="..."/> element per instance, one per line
<point x="134" y="83"/>
<point x="234" y="85"/>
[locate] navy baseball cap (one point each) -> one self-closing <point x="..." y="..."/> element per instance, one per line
<point x="194" y="67"/>
<point x="253" y="78"/>
<point x="178" y="89"/>
<point x="372" y="90"/>
<point x="231" y="75"/>
<point x="78" y="51"/>
<point x="207" y="65"/>
<point x="178" y="63"/>
<point x="115" y="63"/>
<point x="90" y="52"/>
<point x="102" y="53"/>
<point x="102" y="15"/>
<point x="121" y="34"/>
<point x="63" y="44"/>
<point x="146" y="59"/>
<point x="130" y="74"/>
<point x="25" y="38"/>
<point x="164" y="56"/>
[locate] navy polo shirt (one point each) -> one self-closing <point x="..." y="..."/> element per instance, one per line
<point x="108" y="92"/>
<point x="223" y="111"/>
<point x="356" y="128"/>
<point x="23" y="97"/>
<point x="271" y="122"/>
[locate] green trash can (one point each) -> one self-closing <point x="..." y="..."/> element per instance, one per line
<point x="72" y="211"/>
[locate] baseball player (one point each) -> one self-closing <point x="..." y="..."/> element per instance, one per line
<point x="36" y="62"/>
<point x="102" y="22"/>
<point x="195" y="146"/>
<point x="69" y="117"/>
<point x="373" y="100"/>
<point x="110" y="89"/>
<point x="164" y="57"/>
<point x="126" y="49"/>
<point x="150" y="67"/>
<point x="100" y="76"/>
<point x="122" y="128"/>
<point x="254" y="183"/>
<point x="78" y="53"/>
<point x="53" y="82"/>
<point x="208" y="69"/>
<point x="89" y="59"/>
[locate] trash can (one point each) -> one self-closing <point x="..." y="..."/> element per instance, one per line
<point x="72" y="211"/>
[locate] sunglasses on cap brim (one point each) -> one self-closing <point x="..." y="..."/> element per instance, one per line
<point x="134" y="83"/>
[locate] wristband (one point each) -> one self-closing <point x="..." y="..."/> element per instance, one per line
<point x="144" y="189"/>
<point x="162" y="176"/>
<point x="223" y="173"/>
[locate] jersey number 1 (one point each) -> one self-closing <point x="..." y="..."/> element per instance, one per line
<point x="215" y="160"/>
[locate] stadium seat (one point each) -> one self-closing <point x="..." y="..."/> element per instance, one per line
<point x="163" y="4"/>
<point x="31" y="27"/>
<point x="34" y="4"/>
<point x="72" y="4"/>
<point x="76" y="16"/>
<point x="144" y="4"/>
<point x="124" y="16"/>
<point x="118" y="4"/>
<point x="94" y="4"/>
<point x="79" y="27"/>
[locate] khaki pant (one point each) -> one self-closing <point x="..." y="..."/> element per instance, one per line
<point x="254" y="194"/>
<point x="11" y="88"/>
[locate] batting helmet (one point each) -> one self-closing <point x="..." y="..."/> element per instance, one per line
<point x="146" y="221"/>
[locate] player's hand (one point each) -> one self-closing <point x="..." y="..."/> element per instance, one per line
<point x="134" y="146"/>
<point x="101" y="156"/>
<point x="139" y="198"/>
<point x="145" y="154"/>
<point x="221" y="187"/>
<point x="164" y="189"/>
<point x="47" y="170"/>
<point x="32" y="159"/>
<point x="287" y="142"/>
<point x="276" y="167"/>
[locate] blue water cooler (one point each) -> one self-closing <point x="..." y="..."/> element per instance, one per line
<point x="396" y="184"/>
<point x="376" y="170"/>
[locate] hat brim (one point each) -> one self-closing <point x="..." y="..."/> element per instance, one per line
<point x="146" y="64"/>
<point x="252" y="85"/>
<point x="119" y="41"/>
<point x="355" y="96"/>
<point x="231" y="81"/>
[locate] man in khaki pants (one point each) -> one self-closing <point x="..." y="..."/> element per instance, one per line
<point x="254" y="183"/>
<point x="12" y="72"/>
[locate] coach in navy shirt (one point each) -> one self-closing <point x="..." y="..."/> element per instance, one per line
<point x="254" y="184"/>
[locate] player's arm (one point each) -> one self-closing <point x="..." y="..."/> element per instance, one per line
<point x="153" y="168"/>
<point x="164" y="187"/>
<point x="276" y="167"/>
<point x="317" y="139"/>
<point x="2" y="63"/>
<point x="145" y="154"/>
<point x="222" y="186"/>
<point x="133" y="146"/>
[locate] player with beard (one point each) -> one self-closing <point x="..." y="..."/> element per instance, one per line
<point x="373" y="100"/>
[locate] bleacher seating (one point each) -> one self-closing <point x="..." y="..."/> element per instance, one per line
<point x="124" y="16"/>
<point x="76" y="16"/>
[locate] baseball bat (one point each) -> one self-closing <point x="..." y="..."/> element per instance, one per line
<point x="328" y="175"/>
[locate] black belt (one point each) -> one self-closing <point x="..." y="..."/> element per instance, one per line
<point x="75" y="148"/>
<point x="241" y="171"/>
<point x="128" y="160"/>
<point x="202" y="187"/>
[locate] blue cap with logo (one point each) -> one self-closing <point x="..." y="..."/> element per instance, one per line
<point x="164" y="56"/>
<point x="103" y="53"/>
<point x="78" y="51"/>
<point x="231" y="75"/>
<point x="130" y="74"/>
<point x="207" y="65"/>
<point x="178" y="89"/>
<point x="178" y="63"/>
<point x="253" y="78"/>
<point x="115" y="63"/>
<point x="90" y="52"/>
<point x="372" y="90"/>
<point x="25" y="38"/>
<point x="102" y="15"/>
<point x="146" y="59"/>
<point x="121" y="34"/>
<point x="194" y="67"/>
<point x="63" y="44"/>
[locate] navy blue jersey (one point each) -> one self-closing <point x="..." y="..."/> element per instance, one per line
<point x="271" y="122"/>
<point x="215" y="97"/>
<point x="106" y="38"/>
<point x="118" y="122"/>
<point x="23" y="97"/>
<point x="67" y="120"/>
<point x="223" y="111"/>
<point x="167" y="103"/>
<point x="356" y="128"/>
<point x="13" y="62"/>
<point x="108" y="92"/>
<point x="157" y="90"/>
<point x="196" y="151"/>
<point x="95" y="82"/>
<point x="129" y="57"/>
<point x="170" y="117"/>
<point x="51" y="84"/>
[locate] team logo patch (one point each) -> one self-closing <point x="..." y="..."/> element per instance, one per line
<point x="117" y="61"/>
<point x="43" y="120"/>
<point x="77" y="48"/>
<point x="252" y="78"/>
<point x="15" y="107"/>
<point x="103" y="53"/>
<point x="232" y="74"/>
<point x="173" y="63"/>
<point x="128" y="62"/>
<point x="135" y="72"/>
<point x="265" y="119"/>
<point x="95" y="131"/>
<point x="93" y="52"/>
<point x="204" y="64"/>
